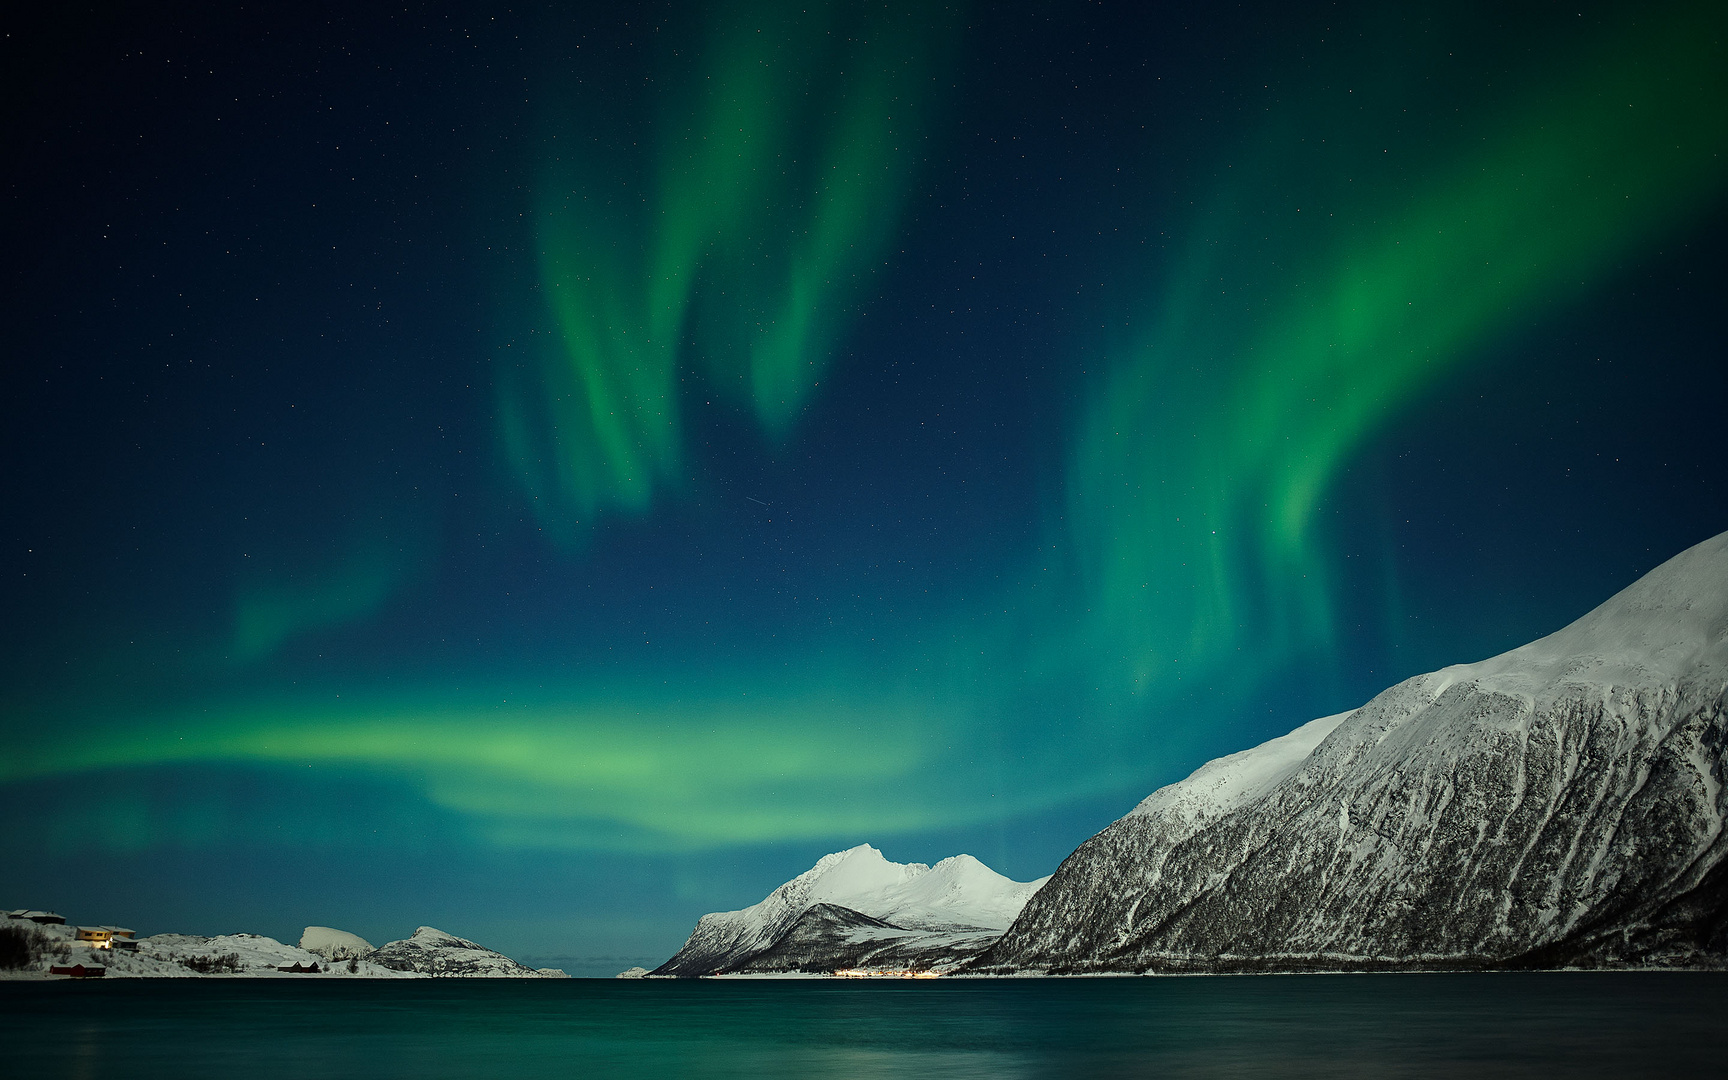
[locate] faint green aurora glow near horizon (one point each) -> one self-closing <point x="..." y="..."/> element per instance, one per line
<point x="642" y="775"/>
<point x="271" y="609"/>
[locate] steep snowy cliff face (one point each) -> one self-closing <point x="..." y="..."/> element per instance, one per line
<point x="858" y="903"/>
<point x="1560" y="804"/>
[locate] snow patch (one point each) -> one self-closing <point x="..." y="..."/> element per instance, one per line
<point x="957" y="895"/>
<point x="333" y="944"/>
<point x="1236" y="780"/>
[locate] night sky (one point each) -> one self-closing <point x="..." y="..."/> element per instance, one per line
<point x="548" y="472"/>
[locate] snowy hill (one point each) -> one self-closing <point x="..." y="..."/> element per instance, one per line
<point x="182" y="955"/>
<point x="323" y="953"/>
<point x="187" y="956"/>
<point x="1560" y="804"/>
<point x="333" y="944"/>
<point x="863" y="898"/>
<point x="433" y="952"/>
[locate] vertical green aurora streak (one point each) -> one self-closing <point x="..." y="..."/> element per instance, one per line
<point x="779" y="166"/>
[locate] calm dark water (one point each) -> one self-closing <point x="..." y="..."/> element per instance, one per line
<point x="1363" y="1025"/>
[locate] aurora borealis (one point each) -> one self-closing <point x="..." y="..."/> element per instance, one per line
<point x="561" y="472"/>
<point x="777" y="162"/>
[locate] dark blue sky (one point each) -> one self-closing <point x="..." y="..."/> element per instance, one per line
<point x="550" y="472"/>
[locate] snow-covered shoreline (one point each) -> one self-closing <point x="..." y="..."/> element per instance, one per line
<point x="323" y="953"/>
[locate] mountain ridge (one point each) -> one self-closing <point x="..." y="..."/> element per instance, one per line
<point x="1558" y="804"/>
<point x="909" y="911"/>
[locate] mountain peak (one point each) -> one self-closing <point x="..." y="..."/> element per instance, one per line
<point x="960" y="894"/>
<point x="1672" y="622"/>
<point x="1560" y="804"/>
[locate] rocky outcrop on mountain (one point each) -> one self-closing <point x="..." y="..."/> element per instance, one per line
<point x="433" y="952"/>
<point x="855" y="909"/>
<point x="1558" y="805"/>
<point x="830" y="938"/>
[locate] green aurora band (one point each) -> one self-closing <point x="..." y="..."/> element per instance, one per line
<point x="640" y="776"/>
<point x="1295" y="333"/>
<point x="1197" y="468"/>
<point x="776" y="178"/>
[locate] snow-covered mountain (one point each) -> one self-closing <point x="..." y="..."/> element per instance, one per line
<point x="855" y="908"/>
<point x="433" y="952"/>
<point x="1560" y="804"/>
<point x="829" y="938"/>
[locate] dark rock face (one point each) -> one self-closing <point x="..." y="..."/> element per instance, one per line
<point x="1561" y="805"/>
<point x="830" y="938"/>
<point x="698" y="957"/>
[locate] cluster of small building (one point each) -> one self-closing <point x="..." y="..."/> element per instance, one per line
<point x="867" y="973"/>
<point x="93" y="937"/>
<point x="108" y="937"/>
<point x="89" y="937"/>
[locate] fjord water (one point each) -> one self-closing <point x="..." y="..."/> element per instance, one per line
<point x="1486" y="1025"/>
